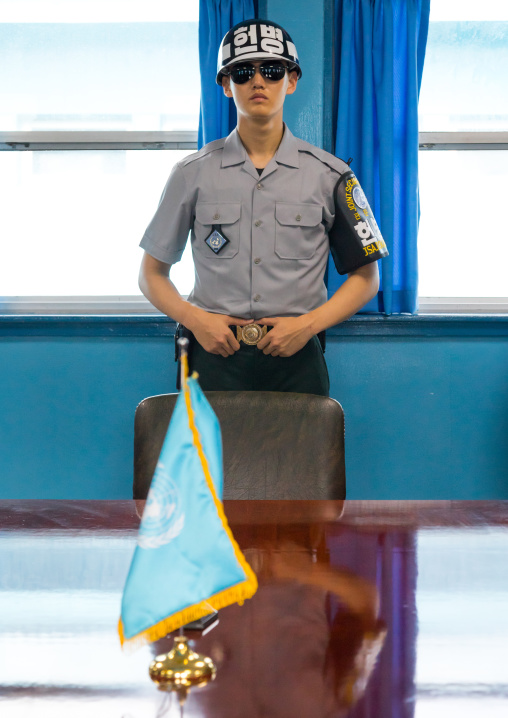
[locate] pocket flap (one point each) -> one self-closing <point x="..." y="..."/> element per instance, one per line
<point x="207" y="213"/>
<point x="298" y="215"/>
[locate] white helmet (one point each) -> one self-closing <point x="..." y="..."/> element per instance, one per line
<point x="256" y="40"/>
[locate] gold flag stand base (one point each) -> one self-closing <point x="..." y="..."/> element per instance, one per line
<point x="181" y="669"/>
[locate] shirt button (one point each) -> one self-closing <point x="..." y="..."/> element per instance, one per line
<point x="259" y="186"/>
<point x="257" y="260"/>
<point x="257" y="297"/>
<point x="257" y="222"/>
<point x="216" y="215"/>
<point x="298" y="217"/>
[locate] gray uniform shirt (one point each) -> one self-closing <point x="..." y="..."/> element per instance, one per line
<point x="276" y="224"/>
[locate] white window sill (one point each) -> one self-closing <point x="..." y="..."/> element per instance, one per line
<point x="463" y="305"/>
<point x="136" y="304"/>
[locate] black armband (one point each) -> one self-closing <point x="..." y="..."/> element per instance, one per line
<point x="355" y="239"/>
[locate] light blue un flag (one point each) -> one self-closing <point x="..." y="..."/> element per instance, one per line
<point x="186" y="563"/>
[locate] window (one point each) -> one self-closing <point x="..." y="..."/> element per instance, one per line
<point x="99" y="99"/>
<point x="90" y="89"/>
<point x="463" y="242"/>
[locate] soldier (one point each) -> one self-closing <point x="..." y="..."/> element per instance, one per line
<point x="263" y="209"/>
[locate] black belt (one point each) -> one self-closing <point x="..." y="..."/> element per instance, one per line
<point x="253" y="333"/>
<point x="250" y="334"/>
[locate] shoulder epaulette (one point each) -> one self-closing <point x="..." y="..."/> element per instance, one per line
<point x="205" y="150"/>
<point x="335" y="163"/>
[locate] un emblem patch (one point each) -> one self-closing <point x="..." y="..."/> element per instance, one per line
<point x="216" y="241"/>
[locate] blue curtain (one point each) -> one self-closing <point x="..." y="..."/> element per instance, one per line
<point x="379" y="53"/>
<point x="217" y="116"/>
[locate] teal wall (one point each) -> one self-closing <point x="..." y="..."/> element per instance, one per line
<point x="425" y="400"/>
<point x="67" y="408"/>
<point x="426" y="418"/>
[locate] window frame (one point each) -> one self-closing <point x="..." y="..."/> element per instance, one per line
<point x="40" y="140"/>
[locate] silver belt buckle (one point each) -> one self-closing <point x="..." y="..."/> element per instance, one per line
<point x="251" y="333"/>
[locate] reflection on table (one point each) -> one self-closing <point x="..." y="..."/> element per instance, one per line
<point x="332" y="630"/>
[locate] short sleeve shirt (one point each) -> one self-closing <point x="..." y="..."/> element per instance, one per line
<point x="276" y="225"/>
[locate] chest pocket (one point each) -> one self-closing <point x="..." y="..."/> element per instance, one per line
<point x="297" y="230"/>
<point x="227" y="217"/>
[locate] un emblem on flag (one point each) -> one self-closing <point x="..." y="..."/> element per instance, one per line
<point x="163" y="518"/>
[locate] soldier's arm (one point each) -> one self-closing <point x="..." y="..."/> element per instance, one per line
<point x="359" y="288"/>
<point x="211" y="330"/>
<point x="290" y="334"/>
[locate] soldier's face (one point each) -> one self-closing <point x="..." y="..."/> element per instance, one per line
<point x="259" y="97"/>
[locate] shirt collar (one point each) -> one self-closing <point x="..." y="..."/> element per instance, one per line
<point x="234" y="152"/>
<point x="287" y="153"/>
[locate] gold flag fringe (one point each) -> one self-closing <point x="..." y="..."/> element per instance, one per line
<point x="234" y="594"/>
<point x="251" y="584"/>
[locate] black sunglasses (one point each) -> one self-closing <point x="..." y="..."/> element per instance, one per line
<point x="272" y="70"/>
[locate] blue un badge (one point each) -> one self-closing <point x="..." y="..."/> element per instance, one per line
<point x="216" y="240"/>
<point x="359" y="197"/>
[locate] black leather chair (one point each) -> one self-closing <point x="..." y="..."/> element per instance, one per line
<point x="276" y="445"/>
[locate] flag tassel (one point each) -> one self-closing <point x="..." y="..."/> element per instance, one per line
<point x="233" y="594"/>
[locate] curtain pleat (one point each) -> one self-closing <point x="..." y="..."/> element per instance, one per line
<point x="379" y="55"/>
<point x="217" y="116"/>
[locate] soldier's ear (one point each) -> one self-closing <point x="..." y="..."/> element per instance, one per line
<point x="226" y="85"/>
<point x="292" y="80"/>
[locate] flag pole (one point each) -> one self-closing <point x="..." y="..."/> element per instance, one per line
<point x="183" y="346"/>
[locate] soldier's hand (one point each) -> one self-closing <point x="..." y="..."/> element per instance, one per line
<point x="213" y="333"/>
<point x="288" y="335"/>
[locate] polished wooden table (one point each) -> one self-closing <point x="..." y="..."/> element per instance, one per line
<point x="365" y="609"/>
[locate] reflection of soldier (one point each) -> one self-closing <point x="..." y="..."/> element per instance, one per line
<point x="263" y="209"/>
<point x="281" y="654"/>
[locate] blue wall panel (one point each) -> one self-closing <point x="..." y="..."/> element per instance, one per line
<point x="426" y="417"/>
<point x="67" y="410"/>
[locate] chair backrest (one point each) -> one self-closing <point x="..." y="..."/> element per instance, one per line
<point x="276" y="445"/>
